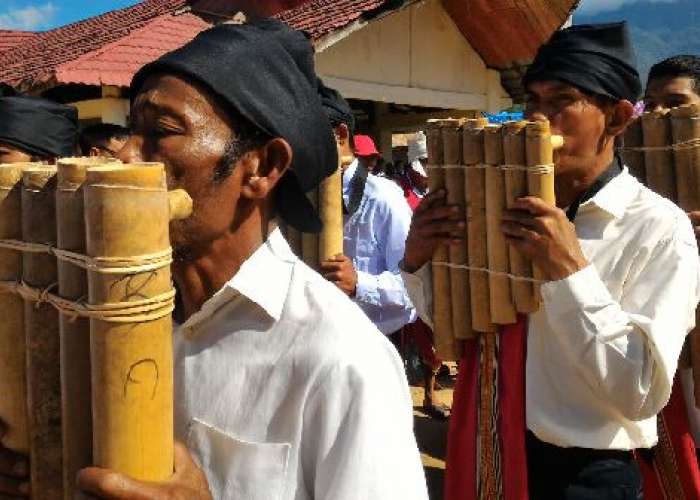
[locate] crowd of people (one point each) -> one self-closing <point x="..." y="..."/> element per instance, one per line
<point x="286" y="383"/>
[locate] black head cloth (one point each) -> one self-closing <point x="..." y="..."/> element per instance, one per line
<point x="38" y="126"/>
<point x="336" y="107"/>
<point x="595" y="58"/>
<point x="265" y="71"/>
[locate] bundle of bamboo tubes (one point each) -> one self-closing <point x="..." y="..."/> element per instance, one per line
<point x="87" y="372"/>
<point x="482" y="283"/>
<point x="328" y="200"/>
<point x="662" y="149"/>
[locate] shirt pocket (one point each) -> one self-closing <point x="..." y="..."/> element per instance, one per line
<point x="236" y="468"/>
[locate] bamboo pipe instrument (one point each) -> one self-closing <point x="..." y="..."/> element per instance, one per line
<point x="477" y="247"/>
<point x="540" y="146"/>
<point x="127" y="214"/>
<point x="502" y="308"/>
<point x="331" y="208"/>
<point x="42" y="336"/>
<point x="442" y="286"/>
<point x="76" y="399"/>
<point x="13" y="371"/>
<point x="660" y="173"/>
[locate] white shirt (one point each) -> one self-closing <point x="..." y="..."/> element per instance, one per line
<point x="285" y="390"/>
<point x="375" y="240"/>
<point x="604" y="348"/>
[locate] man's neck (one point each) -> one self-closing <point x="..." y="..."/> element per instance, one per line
<point x="199" y="278"/>
<point x="570" y="184"/>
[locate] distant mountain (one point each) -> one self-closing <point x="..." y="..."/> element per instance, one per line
<point x="659" y="29"/>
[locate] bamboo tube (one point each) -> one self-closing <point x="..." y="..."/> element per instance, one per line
<point x="634" y="158"/>
<point x="539" y="147"/>
<point x="311" y="242"/>
<point x="516" y="187"/>
<point x="127" y="215"/>
<point x="501" y="297"/>
<point x="459" y="276"/>
<point x="74" y="332"/>
<point x="331" y="208"/>
<point x="477" y="248"/>
<point x="13" y="372"/>
<point x="42" y="336"/>
<point x="443" y="334"/>
<point x="661" y="176"/>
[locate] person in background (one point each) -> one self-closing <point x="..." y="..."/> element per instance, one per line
<point x="103" y="139"/>
<point x="376" y="223"/>
<point x="366" y="153"/>
<point x="671" y="83"/>
<point x="414" y="182"/>
<point x="36" y="129"/>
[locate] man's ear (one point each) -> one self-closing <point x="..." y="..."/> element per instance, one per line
<point x="342" y="134"/>
<point x="618" y="117"/>
<point x="265" y="168"/>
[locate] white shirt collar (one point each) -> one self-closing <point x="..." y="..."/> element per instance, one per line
<point x="616" y="196"/>
<point x="263" y="279"/>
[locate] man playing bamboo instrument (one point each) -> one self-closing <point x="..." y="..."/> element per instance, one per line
<point x="284" y="389"/>
<point x="622" y="274"/>
<point x="376" y="223"/>
<point x="36" y="129"/>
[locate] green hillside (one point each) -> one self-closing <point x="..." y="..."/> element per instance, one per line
<point x="659" y="30"/>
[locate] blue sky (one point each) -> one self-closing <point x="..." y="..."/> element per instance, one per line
<point x="47" y="14"/>
<point x="38" y="15"/>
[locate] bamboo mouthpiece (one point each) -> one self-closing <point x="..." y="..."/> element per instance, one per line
<point x="180" y="204"/>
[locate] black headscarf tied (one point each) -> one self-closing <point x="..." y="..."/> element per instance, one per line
<point x="264" y="70"/>
<point x="336" y="107"/>
<point x="38" y="126"/>
<point x="595" y="58"/>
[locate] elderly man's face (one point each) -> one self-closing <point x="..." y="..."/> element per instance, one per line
<point x="573" y="115"/>
<point x="670" y="92"/>
<point x="177" y="122"/>
<point x="10" y="154"/>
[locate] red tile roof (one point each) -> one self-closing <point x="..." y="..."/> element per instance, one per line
<point x="34" y="63"/>
<point x="9" y="38"/>
<point x="321" y="17"/>
<point x="116" y="63"/>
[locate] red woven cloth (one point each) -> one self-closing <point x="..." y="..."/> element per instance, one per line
<point x="673" y="473"/>
<point x="471" y="473"/>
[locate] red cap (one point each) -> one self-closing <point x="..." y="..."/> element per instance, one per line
<point x="364" y="146"/>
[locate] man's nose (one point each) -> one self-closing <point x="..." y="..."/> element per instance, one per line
<point x="131" y="151"/>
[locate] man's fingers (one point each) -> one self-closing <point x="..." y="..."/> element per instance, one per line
<point x="534" y="205"/>
<point x="18" y="488"/>
<point x="430" y="200"/>
<point x="331" y="266"/>
<point x="183" y="458"/>
<point x="109" y="485"/>
<point x="694" y="217"/>
<point x="518" y="231"/>
<point x="451" y="212"/>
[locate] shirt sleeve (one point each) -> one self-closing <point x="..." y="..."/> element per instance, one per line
<point x="386" y="289"/>
<point x="419" y="286"/>
<point x="627" y="351"/>
<point x="361" y="442"/>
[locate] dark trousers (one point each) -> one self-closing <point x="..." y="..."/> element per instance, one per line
<point x="556" y="473"/>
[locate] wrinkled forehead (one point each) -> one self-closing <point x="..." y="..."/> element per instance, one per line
<point x="671" y="84"/>
<point x="178" y="95"/>
<point x="543" y="87"/>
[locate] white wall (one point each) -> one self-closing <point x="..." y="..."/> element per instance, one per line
<point x="415" y="56"/>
